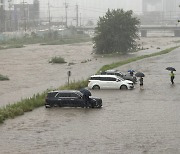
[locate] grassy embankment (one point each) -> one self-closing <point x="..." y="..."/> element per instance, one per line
<point x="26" y="105"/>
<point x="21" y="42"/>
<point x="67" y="41"/>
<point x="120" y="63"/>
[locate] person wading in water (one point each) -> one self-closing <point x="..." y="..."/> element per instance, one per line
<point x="141" y="82"/>
<point x="172" y="75"/>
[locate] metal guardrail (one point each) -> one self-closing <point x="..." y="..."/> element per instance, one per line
<point x="159" y="27"/>
<point x="143" y="27"/>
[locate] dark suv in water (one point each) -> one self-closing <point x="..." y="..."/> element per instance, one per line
<point x="120" y="74"/>
<point x="71" y="98"/>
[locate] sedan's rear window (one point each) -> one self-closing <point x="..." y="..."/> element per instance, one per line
<point x="63" y="95"/>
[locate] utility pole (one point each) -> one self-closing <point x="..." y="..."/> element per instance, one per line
<point x="62" y="21"/>
<point x="2" y="16"/>
<point x="66" y="6"/>
<point x="77" y="16"/>
<point x="25" y="24"/>
<point x="10" y="19"/>
<point x="80" y="19"/>
<point x="49" y="12"/>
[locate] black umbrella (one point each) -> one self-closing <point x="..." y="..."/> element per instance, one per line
<point x="139" y="74"/>
<point x="85" y="92"/>
<point x="170" y="69"/>
<point x="131" y="71"/>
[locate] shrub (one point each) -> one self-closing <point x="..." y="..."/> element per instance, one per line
<point x="2" y="77"/>
<point x="76" y="85"/>
<point x="58" y="60"/>
<point x="16" y="46"/>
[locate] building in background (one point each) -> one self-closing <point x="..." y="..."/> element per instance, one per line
<point x="2" y="16"/>
<point x="26" y="15"/>
<point x="160" y="11"/>
<point x="21" y="16"/>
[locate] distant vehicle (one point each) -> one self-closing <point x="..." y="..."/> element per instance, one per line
<point x="70" y="98"/>
<point x="120" y="74"/>
<point x="109" y="82"/>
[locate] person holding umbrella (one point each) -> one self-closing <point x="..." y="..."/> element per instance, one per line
<point x="172" y="75"/>
<point x="141" y="75"/>
<point x="131" y="72"/>
<point x="141" y="82"/>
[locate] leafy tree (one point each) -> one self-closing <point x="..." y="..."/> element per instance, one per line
<point x="116" y="32"/>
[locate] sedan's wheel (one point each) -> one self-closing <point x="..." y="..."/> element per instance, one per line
<point x="99" y="106"/>
<point x="47" y="106"/>
<point x="123" y="87"/>
<point x="96" y="87"/>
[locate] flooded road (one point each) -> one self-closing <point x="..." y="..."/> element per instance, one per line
<point x="30" y="72"/>
<point x="130" y="122"/>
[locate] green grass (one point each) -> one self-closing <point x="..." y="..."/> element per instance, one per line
<point x="16" y="46"/>
<point x="20" y="42"/>
<point x="76" y="85"/>
<point x="2" y="47"/>
<point x="57" y="60"/>
<point x="26" y="105"/>
<point x="120" y="63"/>
<point x="67" y="41"/>
<point x="3" y="78"/>
<point x="19" y="108"/>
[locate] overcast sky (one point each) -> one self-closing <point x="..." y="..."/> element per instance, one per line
<point x="88" y="9"/>
<point x="90" y="4"/>
<point x="130" y="4"/>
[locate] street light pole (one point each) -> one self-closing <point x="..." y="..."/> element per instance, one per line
<point x="49" y="13"/>
<point x="77" y="16"/>
<point x="25" y="24"/>
<point x="2" y="16"/>
<point x="66" y="6"/>
<point x="10" y="19"/>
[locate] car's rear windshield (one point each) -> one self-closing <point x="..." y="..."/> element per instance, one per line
<point x="52" y="94"/>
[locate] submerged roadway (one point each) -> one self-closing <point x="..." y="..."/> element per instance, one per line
<point x="131" y="122"/>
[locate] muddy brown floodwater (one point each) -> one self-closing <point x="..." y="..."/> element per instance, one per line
<point x="131" y="122"/>
<point x="30" y="72"/>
